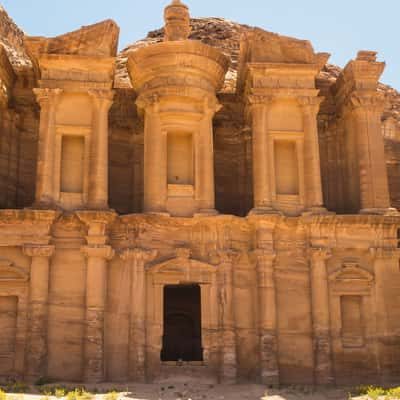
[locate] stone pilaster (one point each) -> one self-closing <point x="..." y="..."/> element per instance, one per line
<point x="261" y="162"/>
<point x="137" y="258"/>
<point x="98" y="186"/>
<point x="267" y="316"/>
<point x="205" y="190"/>
<point x="366" y="110"/>
<point x="36" y="351"/>
<point x="96" y="279"/>
<point x="228" y="372"/>
<point x="323" y="373"/>
<point x="155" y="160"/>
<point x="386" y="265"/>
<point x="312" y="167"/>
<point x="48" y="100"/>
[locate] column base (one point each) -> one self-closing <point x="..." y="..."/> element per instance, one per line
<point x="158" y="213"/>
<point x="44" y="205"/>
<point x="206" y="212"/>
<point x="270" y="379"/>
<point x="317" y="210"/>
<point x="390" y="211"/>
<point x="264" y="211"/>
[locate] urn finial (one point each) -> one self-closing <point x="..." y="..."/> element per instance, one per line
<point x="177" y="21"/>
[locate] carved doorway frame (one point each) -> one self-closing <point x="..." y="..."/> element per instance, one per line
<point x="181" y="271"/>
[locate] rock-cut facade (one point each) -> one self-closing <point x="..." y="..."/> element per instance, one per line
<point x="198" y="204"/>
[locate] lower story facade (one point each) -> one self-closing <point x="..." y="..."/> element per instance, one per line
<point x="98" y="297"/>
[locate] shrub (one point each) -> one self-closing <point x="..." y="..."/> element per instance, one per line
<point x="59" y="392"/>
<point x="113" y="395"/>
<point x="393" y="393"/>
<point x="17" y="387"/>
<point x="375" y="392"/>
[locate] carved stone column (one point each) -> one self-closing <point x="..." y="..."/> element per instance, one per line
<point x="267" y="317"/>
<point x="36" y="352"/>
<point x="98" y="185"/>
<point x="366" y="110"/>
<point x="386" y="265"/>
<point x="227" y="316"/>
<point x="48" y="100"/>
<point x="261" y="162"/>
<point x="137" y="259"/>
<point x="96" y="280"/>
<point x="323" y="373"/>
<point x="155" y="159"/>
<point x="205" y="190"/>
<point x="312" y="167"/>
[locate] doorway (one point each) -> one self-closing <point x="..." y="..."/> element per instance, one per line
<point x="182" y="324"/>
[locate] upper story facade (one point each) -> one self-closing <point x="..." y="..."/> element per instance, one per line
<point x="176" y="139"/>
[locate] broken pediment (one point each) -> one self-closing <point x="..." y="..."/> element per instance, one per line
<point x="10" y="272"/>
<point x="351" y="272"/>
<point x="98" y="40"/>
<point x="259" y="46"/>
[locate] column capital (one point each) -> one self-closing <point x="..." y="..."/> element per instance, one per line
<point x="260" y="100"/>
<point x="32" y="250"/>
<point x="139" y="254"/>
<point x="366" y="101"/>
<point x="263" y="257"/>
<point x="102" y="98"/>
<point x="319" y="254"/>
<point x="310" y="104"/>
<point x="44" y="96"/>
<point x="100" y="251"/>
<point x="211" y="105"/>
<point x="228" y="256"/>
<point x="385" y="252"/>
<point x="150" y="103"/>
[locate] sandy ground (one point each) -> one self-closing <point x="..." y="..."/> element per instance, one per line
<point x="197" y="391"/>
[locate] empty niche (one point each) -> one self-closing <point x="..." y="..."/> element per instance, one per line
<point x="8" y="330"/>
<point x="352" y="321"/>
<point x="180" y="158"/>
<point x="286" y="168"/>
<point x="72" y="161"/>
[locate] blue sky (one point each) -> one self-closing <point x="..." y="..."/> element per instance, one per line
<point x="340" y="27"/>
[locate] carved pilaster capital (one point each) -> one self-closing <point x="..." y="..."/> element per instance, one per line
<point x="368" y="101"/>
<point x="310" y="104"/>
<point x="102" y="99"/>
<point x="263" y="257"/>
<point x="255" y="101"/>
<point x="150" y="103"/>
<point x="211" y="106"/>
<point x="38" y="250"/>
<point x="319" y="254"/>
<point x="100" y="251"/>
<point x="139" y="255"/>
<point x="46" y="96"/>
<point x="228" y="256"/>
<point x="385" y="253"/>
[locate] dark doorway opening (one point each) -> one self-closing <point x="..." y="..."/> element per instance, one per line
<point x="182" y="324"/>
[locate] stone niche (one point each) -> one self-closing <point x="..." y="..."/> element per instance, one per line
<point x="277" y="81"/>
<point x="176" y="82"/>
<point x="75" y="93"/>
